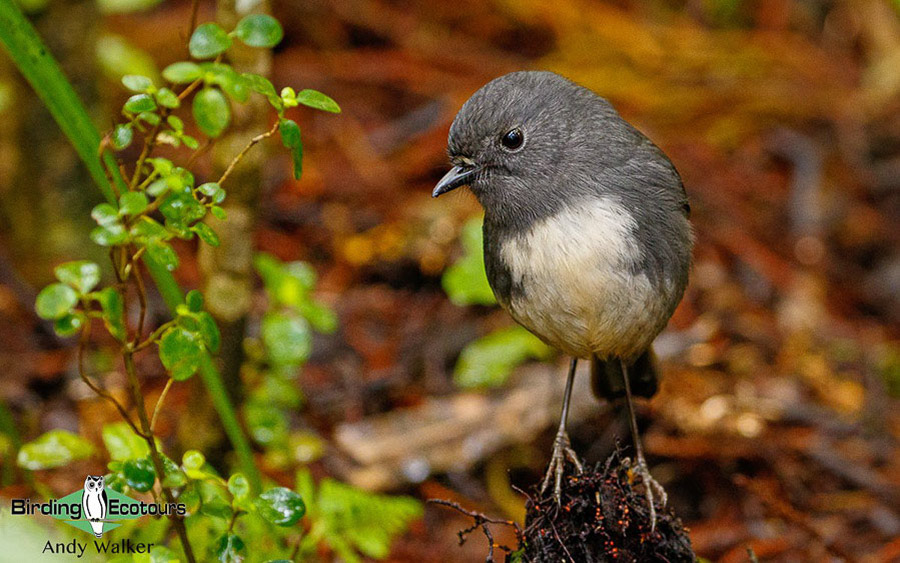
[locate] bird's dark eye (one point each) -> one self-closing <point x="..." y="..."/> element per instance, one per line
<point x="513" y="139"/>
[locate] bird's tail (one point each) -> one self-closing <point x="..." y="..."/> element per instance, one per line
<point x="607" y="382"/>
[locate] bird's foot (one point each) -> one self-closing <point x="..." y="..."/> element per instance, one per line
<point x="562" y="451"/>
<point x="652" y="489"/>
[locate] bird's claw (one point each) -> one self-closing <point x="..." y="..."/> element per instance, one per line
<point x="652" y="488"/>
<point x="562" y="451"/>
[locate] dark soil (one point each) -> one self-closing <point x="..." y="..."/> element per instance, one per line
<point x="601" y="517"/>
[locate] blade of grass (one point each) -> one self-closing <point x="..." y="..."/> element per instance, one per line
<point x="38" y="66"/>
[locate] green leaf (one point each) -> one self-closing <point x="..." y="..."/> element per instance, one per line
<point x="287" y="338"/>
<point x="190" y="142"/>
<point x="192" y="460"/>
<point x="105" y="214"/>
<point x="259" y="30"/>
<point x="181" y="352"/>
<point x="211" y="111"/>
<point x="317" y="100"/>
<point x="122" y="136"/>
<point x="288" y="284"/>
<point x="110" y="235"/>
<point x="149" y="117"/>
<point x="139" y="103"/>
<point x="214" y="191"/>
<point x="465" y="281"/>
<point x="69" y="324"/>
<point x="122" y="443"/>
<point x="132" y="203"/>
<point x="163" y="254"/>
<point x="182" y="72"/>
<point x="218" y="212"/>
<point x="55" y="301"/>
<point x="113" y="306"/>
<point x="53" y="449"/>
<point x="137" y="83"/>
<point x="194" y="301"/>
<point x="206" y="234"/>
<point x="139" y="474"/>
<point x="175" y="477"/>
<point x="175" y="123"/>
<point x="322" y="318"/>
<point x="239" y="487"/>
<point x="488" y="361"/>
<point x="268" y="426"/>
<point x="181" y="210"/>
<point x="290" y="137"/>
<point x="263" y="86"/>
<point x="281" y="506"/>
<point x="208" y="40"/>
<point x="209" y="330"/>
<point x="229" y="549"/>
<point x="231" y="82"/>
<point x="167" y="98"/>
<point x="80" y="275"/>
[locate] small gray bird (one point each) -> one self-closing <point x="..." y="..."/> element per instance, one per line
<point x="587" y="242"/>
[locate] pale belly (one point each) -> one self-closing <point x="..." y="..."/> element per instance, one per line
<point x="577" y="289"/>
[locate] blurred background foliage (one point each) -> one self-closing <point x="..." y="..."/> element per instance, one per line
<point x="776" y="426"/>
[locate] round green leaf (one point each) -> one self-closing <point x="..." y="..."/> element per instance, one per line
<point x="287" y="338"/>
<point x="105" y="214"/>
<point x="230" y="548"/>
<point x="55" y="301"/>
<point x="259" y="30"/>
<point x="211" y="111"/>
<point x="218" y="212"/>
<point x="132" y="203"/>
<point x="81" y="275"/>
<point x="281" y="506"/>
<point x="122" y="136"/>
<point x="209" y="331"/>
<point x="53" y="449"/>
<point x="69" y="324"/>
<point x="182" y="72"/>
<point x="194" y="301"/>
<point x="317" y="100"/>
<point x="140" y="103"/>
<point x="213" y="191"/>
<point x="109" y="235"/>
<point x="167" y="98"/>
<point x="181" y="352"/>
<point x="139" y="474"/>
<point x="208" y="41"/>
<point x="239" y="487"/>
<point x="113" y="305"/>
<point x="122" y="443"/>
<point x="193" y="460"/>
<point x="136" y="82"/>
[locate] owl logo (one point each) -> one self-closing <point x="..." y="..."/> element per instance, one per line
<point x="95" y="502"/>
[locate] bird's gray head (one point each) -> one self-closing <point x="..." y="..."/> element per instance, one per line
<point x="512" y="138"/>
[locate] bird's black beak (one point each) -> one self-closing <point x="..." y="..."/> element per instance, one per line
<point x="456" y="177"/>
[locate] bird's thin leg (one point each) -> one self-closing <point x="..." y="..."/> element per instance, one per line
<point x="640" y="468"/>
<point x="561" y="448"/>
